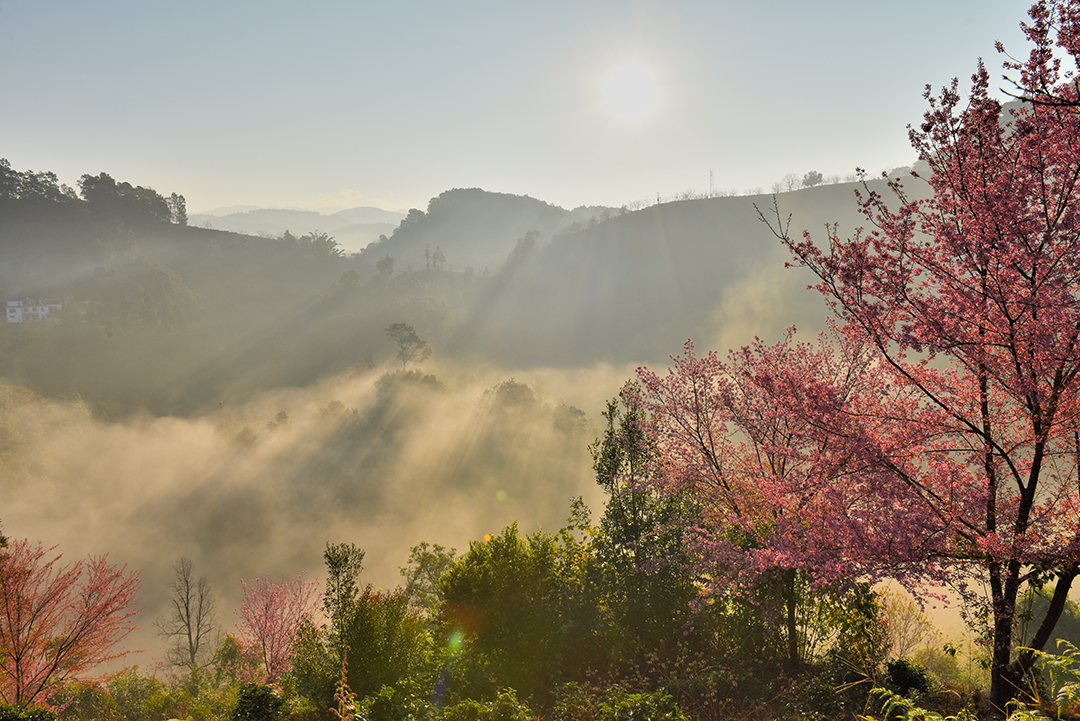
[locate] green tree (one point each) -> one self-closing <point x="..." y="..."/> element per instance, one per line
<point x="386" y="265"/>
<point x="426" y="565"/>
<point x="177" y="209"/>
<point x="344" y="564"/>
<point x="646" y="574"/>
<point x="321" y="244"/>
<point x="521" y="612"/>
<point x="411" y="347"/>
<point x="133" y="205"/>
<point x="388" y="641"/>
<point x="502" y="603"/>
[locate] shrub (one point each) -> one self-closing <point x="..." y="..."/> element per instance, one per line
<point x="655" y="706"/>
<point x="30" y="713"/>
<point x="577" y="702"/>
<point x="466" y="710"/>
<point x="406" y="702"/>
<point x="506" y="707"/>
<point x="257" y="703"/>
<point x="908" y="677"/>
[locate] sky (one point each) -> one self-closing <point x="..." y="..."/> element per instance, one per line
<point x="327" y="105"/>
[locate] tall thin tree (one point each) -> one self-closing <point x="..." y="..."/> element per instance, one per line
<point x="190" y="622"/>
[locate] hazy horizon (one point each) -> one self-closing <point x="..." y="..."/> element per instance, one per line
<point x="575" y="104"/>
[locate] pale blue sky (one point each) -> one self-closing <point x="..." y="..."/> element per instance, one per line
<point x="327" y="105"/>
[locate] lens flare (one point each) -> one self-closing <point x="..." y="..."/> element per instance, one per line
<point x="455" y="639"/>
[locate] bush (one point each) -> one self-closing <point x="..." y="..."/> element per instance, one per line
<point x="908" y="677"/>
<point x="80" y="700"/>
<point x="404" y="703"/>
<point x="655" y="706"/>
<point x="257" y="703"/>
<point x="467" y="710"/>
<point x="30" y="713"/>
<point x="506" y="707"/>
<point x="383" y="707"/>
<point x="580" y="703"/>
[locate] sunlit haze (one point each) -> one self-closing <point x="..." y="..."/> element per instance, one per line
<point x="236" y="379"/>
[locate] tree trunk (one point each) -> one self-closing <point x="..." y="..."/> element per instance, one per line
<point x="1004" y="684"/>
<point x="794" y="662"/>
<point x="1026" y="660"/>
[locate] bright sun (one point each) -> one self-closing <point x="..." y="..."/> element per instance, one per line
<point x="630" y="92"/>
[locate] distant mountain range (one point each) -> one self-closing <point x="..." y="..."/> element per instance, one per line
<point x="353" y="228"/>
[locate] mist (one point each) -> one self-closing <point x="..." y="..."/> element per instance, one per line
<point x="258" y="489"/>
<point x="236" y="400"/>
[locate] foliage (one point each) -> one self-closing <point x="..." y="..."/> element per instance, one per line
<point x="405" y="703"/>
<point x="510" y="394"/>
<point x="948" y="388"/>
<point x="57" y="622"/>
<point x="198" y="695"/>
<point x="578" y="702"/>
<point x="317" y="666"/>
<point x="136" y="204"/>
<point x="645" y="571"/>
<point x="138" y="696"/>
<point x="907" y="625"/>
<point x="395" y="645"/>
<point x="410" y="346"/>
<point x="387" y="637"/>
<point x="83" y="700"/>
<point x="235" y="662"/>
<point x="257" y="703"/>
<point x="426" y="565"/>
<point x="505" y="613"/>
<point x="344" y="564"/>
<point x="385" y="266"/>
<point x="1033" y="606"/>
<point x="908" y="677"/>
<point x="895" y="706"/>
<point x="394" y="381"/>
<point x="25" y="713"/>
<point x="1059" y="678"/>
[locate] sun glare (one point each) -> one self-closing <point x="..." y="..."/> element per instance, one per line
<point x="630" y="93"/>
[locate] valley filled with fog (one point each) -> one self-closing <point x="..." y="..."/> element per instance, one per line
<point x="235" y="399"/>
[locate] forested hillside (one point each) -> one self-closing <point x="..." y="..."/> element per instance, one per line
<point x="173" y="319"/>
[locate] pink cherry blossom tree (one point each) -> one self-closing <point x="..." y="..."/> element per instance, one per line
<point x="937" y="435"/>
<point x="57" y="622"/>
<point x="777" y="491"/>
<point x="270" y="618"/>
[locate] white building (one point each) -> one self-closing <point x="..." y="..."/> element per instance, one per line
<point x="32" y="311"/>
